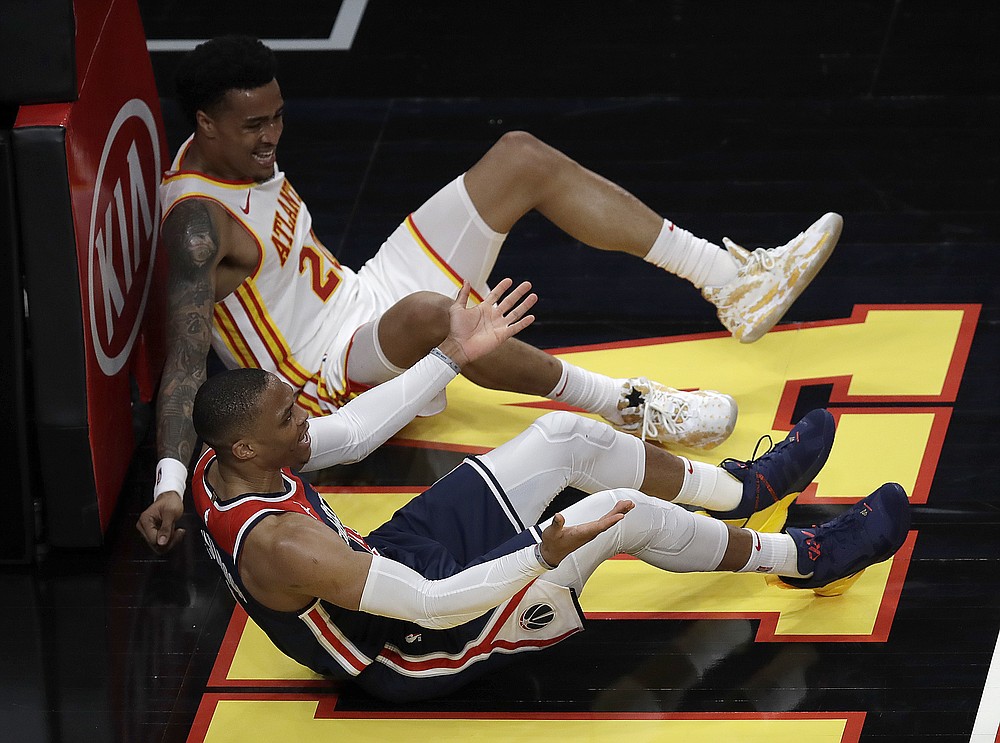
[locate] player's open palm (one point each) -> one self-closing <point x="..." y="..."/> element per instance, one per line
<point x="558" y="540"/>
<point x="480" y="329"/>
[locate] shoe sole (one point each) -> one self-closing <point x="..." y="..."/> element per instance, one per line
<point x="771" y="520"/>
<point x="836" y="588"/>
<point x="832" y="237"/>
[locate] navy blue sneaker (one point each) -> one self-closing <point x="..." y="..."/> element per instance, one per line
<point x="869" y="532"/>
<point x="788" y="467"/>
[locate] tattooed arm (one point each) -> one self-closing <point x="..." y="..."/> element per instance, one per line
<point x="192" y="243"/>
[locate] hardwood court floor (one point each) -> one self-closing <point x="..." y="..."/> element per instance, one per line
<point x="898" y="336"/>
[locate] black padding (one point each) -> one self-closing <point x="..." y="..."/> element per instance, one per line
<point x="37" y="51"/>
<point x="16" y="503"/>
<point x="55" y="327"/>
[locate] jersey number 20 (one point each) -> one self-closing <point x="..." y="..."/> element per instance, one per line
<point x="322" y="284"/>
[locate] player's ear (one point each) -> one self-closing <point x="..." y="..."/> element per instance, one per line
<point x="243" y="450"/>
<point x="206" y="124"/>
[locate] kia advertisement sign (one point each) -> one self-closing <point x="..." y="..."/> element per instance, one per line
<point x="95" y="300"/>
<point x="124" y="225"/>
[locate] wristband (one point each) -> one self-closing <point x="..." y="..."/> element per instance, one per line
<point x="446" y="359"/>
<point x="541" y="560"/>
<point x="171" y="475"/>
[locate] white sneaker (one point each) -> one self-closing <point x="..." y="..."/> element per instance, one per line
<point x="702" y="419"/>
<point x="770" y="279"/>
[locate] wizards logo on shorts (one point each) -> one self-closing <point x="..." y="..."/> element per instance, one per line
<point x="536" y="617"/>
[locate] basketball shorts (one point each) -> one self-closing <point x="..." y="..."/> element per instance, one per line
<point x="436" y="247"/>
<point x="463" y="519"/>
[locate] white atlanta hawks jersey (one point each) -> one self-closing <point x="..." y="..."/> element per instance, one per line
<point x="283" y="317"/>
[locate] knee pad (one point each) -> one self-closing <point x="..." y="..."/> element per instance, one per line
<point x="599" y="457"/>
<point x="366" y="362"/>
<point x="561" y="426"/>
<point x="678" y="540"/>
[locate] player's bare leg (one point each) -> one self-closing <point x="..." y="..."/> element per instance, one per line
<point x="751" y="290"/>
<point x="417" y="323"/>
<point x="520" y="173"/>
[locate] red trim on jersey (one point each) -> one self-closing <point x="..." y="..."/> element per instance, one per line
<point x="273" y="341"/>
<point x="443" y="665"/>
<point x="352" y="659"/>
<point x="437" y="257"/>
<point x="236" y="342"/>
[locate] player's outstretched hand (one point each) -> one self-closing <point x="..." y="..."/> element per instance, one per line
<point x="157" y="522"/>
<point x="480" y="329"/>
<point x="558" y="540"/>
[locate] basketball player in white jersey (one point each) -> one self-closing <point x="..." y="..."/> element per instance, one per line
<point x="250" y="279"/>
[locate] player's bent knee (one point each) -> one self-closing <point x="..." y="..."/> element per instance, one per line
<point x="412" y="327"/>
<point x="594" y="455"/>
<point x="518" y="144"/>
<point x="596" y="505"/>
<point x="527" y="153"/>
<point x="424" y="313"/>
<point x="561" y="426"/>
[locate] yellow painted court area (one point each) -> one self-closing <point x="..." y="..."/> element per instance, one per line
<point x="265" y="720"/>
<point x="893" y="354"/>
<point x="632" y="586"/>
<point x="873" y="448"/>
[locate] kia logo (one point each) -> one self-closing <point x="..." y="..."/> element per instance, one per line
<point x="124" y="226"/>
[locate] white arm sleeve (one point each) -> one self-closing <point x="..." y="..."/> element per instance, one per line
<point x="370" y="419"/>
<point x="394" y="590"/>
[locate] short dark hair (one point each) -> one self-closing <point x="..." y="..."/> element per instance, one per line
<point x="219" y="65"/>
<point x="225" y="405"/>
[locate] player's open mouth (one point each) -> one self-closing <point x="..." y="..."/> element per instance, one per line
<point x="265" y="157"/>
<point x="304" y="438"/>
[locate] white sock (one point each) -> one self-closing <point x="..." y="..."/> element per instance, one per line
<point x="595" y="393"/>
<point x="702" y="263"/>
<point x="773" y="553"/>
<point x="708" y="486"/>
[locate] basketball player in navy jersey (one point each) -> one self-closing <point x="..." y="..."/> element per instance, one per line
<point x="464" y="576"/>
<point x="249" y="278"/>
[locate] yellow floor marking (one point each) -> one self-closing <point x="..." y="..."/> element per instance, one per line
<point x="894" y="354"/>
<point x="239" y="721"/>
<point x="632" y="586"/>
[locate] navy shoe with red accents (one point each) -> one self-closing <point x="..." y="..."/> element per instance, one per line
<point x="870" y="531"/>
<point x="786" y="468"/>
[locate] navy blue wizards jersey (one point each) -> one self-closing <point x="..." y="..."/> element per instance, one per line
<point x="461" y="520"/>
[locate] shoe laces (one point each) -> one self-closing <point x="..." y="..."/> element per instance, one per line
<point x="842" y="532"/>
<point x="662" y="409"/>
<point x="761" y="259"/>
<point x="765" y="259"/>
<point x="760" y="479"/>
<point x="772" y="448"/>
<point x="814" y="548"/>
